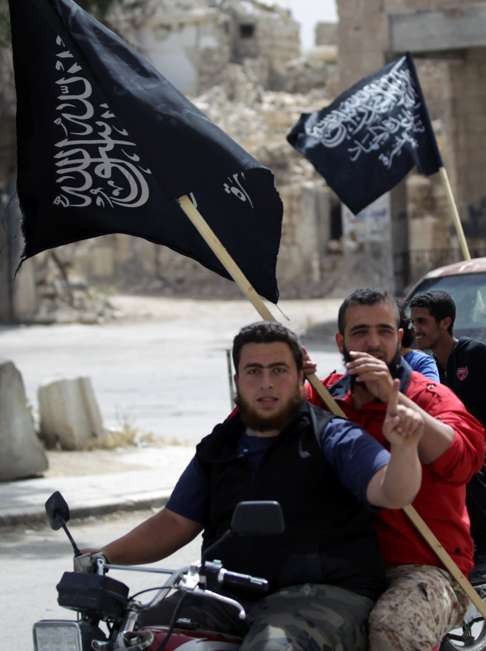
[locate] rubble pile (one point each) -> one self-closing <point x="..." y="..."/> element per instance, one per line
<point x="58" y="294"/>
<point x="260" y="119"/>
<point x="315" y="69"/>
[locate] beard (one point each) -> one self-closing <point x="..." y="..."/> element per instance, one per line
<point x="393" y="364"/>
<point x="255" y="421"/>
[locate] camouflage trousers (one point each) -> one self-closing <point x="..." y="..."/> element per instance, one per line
<point x="421" y="604"/>
<point x="307" y="617"/>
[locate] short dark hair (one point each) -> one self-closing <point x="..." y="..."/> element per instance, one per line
<point x="406" y="325"/>
<point x="267" y="332"/>
<point x="440" y="305"/>
<point x="366" y="296"/>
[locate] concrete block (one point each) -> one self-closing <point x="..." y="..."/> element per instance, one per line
<point x="426" y="31"/>
<point x="21" y="452"/>
<point x="69" y="413"/>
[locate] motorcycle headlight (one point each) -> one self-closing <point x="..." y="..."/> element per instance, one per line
<point x="57" y="635"/>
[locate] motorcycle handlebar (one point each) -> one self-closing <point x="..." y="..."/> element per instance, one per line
<point x="237" y="580"/>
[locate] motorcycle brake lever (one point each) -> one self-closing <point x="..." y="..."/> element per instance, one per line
<point x="208" y="594"/>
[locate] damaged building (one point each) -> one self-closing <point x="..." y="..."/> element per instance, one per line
<point x="447" y="39"/>
<point x="241" y="63"/>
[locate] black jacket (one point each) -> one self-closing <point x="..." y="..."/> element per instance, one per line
<point x="465" y="374"/>
<point x="329" y="536"/>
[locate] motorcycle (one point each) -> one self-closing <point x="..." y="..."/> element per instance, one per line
<point x="109" y="619"/>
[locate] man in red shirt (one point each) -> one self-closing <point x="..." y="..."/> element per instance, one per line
<point x="422" y="602"/>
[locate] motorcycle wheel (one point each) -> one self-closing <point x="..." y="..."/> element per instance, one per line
<point x="476" y="641"/>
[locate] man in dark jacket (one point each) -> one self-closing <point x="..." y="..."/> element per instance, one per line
<point x="462" y="367"/>
<point x="325" y="571"/>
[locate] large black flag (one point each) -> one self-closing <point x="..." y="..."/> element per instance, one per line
<point x="106" y="145"/>
<point x="371" y="136"/>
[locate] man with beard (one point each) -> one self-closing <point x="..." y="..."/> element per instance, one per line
<point x="325" y="570"/>
<point x="422" y="602"/>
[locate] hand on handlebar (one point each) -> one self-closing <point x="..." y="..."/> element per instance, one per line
<point x="87" y="562"/>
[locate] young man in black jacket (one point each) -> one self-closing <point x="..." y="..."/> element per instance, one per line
<point x="462" y="367"/>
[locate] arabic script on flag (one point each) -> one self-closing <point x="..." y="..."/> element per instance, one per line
<point x="96" y="161"/>
<point x="382" y="117"/>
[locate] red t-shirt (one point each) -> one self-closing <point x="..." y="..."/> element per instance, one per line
<point x="441" y="498"/>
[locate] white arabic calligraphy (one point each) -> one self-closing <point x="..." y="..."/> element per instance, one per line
<point x="382" y="117"/>
<point x="96" y="161"/>
<point x="235" y="187"/>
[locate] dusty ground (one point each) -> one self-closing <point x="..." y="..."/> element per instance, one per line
<point x="95" y="462"/>
<point x="161" y="368"/>
<point x="300" y="315"/>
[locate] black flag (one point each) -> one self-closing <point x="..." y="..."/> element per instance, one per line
<point x="106" y="145"/>
<point x="371" y="136"/>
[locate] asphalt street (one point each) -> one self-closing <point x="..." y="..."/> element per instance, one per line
<point x="162" y="368"/>
<point x="34" y="559"/>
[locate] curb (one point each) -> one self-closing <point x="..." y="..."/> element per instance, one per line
<point x="37" y="515"/>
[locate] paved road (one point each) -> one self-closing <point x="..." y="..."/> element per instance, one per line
<point x="33" y="560"/>
<point x="164" y="370"/>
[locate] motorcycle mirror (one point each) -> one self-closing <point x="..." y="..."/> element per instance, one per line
<point x="58" y="514"/>
<point x="258" y="518"/>
<point x="57" y="511"/>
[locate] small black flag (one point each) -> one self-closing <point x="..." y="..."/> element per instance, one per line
<point x="107" y="145"/>
<point x="371" y="136"/>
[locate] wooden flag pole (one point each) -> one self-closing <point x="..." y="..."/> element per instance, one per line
<point x="224" y="257"/>
<point x="244" y="284"/>
<point x="455" y="214"/>
<point x="444" y="556"/>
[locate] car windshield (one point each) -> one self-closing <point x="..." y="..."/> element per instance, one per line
<point x="469" y="294"/>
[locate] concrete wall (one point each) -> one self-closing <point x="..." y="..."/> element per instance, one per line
<point x="325" y="33"/>
<point x="192" y="44"/>
<point x="467" y="136"/>
<point x="135" y="264"/>
<point x="191" y="48"/>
